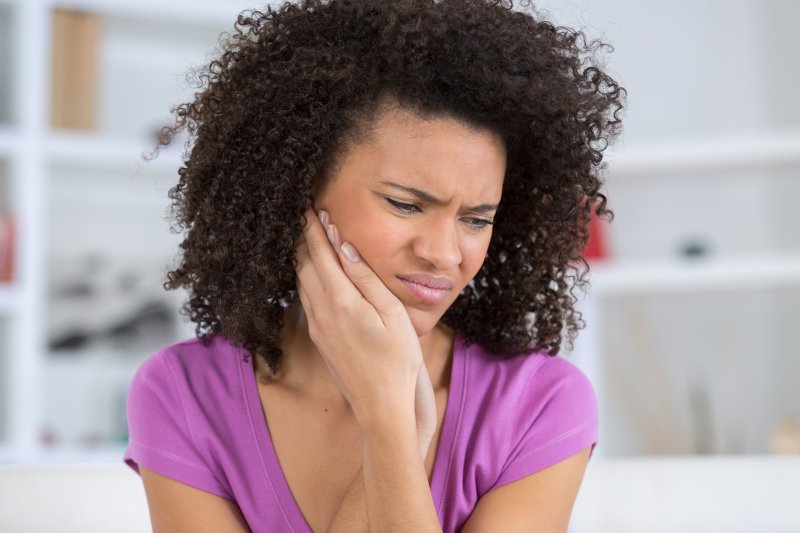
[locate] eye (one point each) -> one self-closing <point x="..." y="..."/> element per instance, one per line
<point x="403" y="207"/>
<point x="475" y="223"/>
<point x="479" y="223"/>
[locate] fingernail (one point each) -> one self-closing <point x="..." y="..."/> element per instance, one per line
<point x="350" y="252"/>
<point x="329" y="231"/>
<point x="323" y="217"/>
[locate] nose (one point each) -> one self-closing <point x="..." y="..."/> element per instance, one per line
<point x="438" y="244"/>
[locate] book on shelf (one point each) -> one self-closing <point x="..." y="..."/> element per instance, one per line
<point x="75" y="52"/>
<point x="7" y="248"/>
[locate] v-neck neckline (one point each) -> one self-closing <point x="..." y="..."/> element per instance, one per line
<point x="441" y="465"/>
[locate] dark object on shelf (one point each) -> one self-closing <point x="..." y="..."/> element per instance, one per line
<point x="99" y="302"/>
<point x="152" y="315"/>
<point x="692" y="249"/>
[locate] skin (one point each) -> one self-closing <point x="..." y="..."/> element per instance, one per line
<point x="396" y="233"/>
<point x="367" y="342"/>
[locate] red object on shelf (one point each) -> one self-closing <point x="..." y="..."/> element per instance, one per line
<point x="7" y="247"/>
<point x="596" y="247"/>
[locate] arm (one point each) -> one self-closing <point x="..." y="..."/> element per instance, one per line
<point x="539" y="503"/>
<point x="176" y="507"/>
<point x="369" y="344"/>
<point x="351" y="517"/>
<point x="398" y="497"/>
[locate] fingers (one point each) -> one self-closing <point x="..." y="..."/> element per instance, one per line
<point x="367" y="282"/>
<point x="307" y="277"/>
<point x="360" y="274"/>
<point x="324" y="261"/>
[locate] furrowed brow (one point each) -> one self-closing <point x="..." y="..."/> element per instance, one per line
<point x="427" y="197"/>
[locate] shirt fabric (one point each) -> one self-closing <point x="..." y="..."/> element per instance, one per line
<point x="195" y="415"/>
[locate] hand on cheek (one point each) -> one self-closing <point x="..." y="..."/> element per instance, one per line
<point x="361" y="329"/>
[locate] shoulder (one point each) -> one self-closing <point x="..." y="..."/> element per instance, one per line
<point x="534" y="378"/>
<point x="535" y="409"/>
<point x="184" y="383"/>
<point x="190" y="362"/>
<point x="182" y="406"/>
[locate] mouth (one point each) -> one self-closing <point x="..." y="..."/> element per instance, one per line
<point x="429" y="289"/>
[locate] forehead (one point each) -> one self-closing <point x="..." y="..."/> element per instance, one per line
<point x="444" y="156"/>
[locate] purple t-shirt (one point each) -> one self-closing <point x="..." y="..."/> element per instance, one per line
<point x="195" y="415"/>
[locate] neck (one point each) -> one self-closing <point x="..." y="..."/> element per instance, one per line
<point x="302" y="363"/>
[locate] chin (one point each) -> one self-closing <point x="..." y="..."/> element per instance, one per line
<point x="423" y="321"/>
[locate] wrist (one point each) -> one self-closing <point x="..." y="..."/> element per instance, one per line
<point x="388" y="419"/>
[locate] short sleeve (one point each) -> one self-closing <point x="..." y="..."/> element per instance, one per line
<point x="557" y="419"/>
<point x="160" y="433"/>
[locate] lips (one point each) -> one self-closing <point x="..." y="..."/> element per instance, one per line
<point x="424" y="293"/>
<point x="432" y="282"/>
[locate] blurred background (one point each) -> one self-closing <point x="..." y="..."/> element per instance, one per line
<point x="696" y="284"/>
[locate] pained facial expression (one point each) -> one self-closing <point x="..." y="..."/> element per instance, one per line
<point x="417" y="201"/>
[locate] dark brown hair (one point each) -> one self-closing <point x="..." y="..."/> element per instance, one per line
<point x="293" y="87"/>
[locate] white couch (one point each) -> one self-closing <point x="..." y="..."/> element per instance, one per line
<point x="646" y="495"/>
<point x="67" y="498"/>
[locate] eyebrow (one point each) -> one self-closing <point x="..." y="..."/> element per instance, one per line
<point x="427" y="197"/>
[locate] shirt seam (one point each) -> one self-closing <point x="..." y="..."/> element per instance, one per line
<point x="180" y="399"/>
<point x="255" y="441"/>
<point x="172" y="456"/>
<point x="555" y="440"/>
<point x="528" y="376"/>
<point x="456" y="430"/>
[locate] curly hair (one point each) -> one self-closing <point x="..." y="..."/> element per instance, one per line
<point x="292" y="88"/>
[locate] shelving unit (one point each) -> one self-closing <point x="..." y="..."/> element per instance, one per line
<point x="56" y="177"/>
<point x="53" y="178"/>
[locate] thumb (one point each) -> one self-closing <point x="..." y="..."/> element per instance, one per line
<point x="365" y="279"/>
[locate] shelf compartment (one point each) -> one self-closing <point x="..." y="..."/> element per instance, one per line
<point x="700" y="373"/>
<point x="136" y="61"/>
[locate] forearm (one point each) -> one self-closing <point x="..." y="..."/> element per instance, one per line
<point x="351" y="517"/>
<point x="397" y="494"/>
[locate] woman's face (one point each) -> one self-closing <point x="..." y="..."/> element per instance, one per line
<point x="416" y="201"/>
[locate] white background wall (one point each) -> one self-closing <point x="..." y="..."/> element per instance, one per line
<point x="695" y="72"/>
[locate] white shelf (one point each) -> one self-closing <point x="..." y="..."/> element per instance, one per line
<point x="104" y="453"/>
<point x="719" y="154"/>
<point x="752" y="272"/>
<point x="703" y="156"/>
<point x="6" y="453"/>
<point x="8" y="141"/>
<point x="212" y="12"/>
<point x="9" y="297"/>
<point x="94" y="150"/>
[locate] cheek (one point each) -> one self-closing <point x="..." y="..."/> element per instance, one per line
<point x="378" y="239"/>
<point x="474" y="254"/>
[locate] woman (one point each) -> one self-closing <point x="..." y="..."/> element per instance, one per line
<point x="383" y="203"/>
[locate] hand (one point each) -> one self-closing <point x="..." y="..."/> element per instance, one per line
<point x="361" y="329"/>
